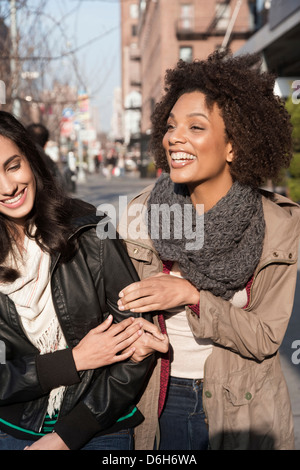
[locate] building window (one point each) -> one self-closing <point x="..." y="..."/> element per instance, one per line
<point x="186" y="16"/>
<point x="186" y="53"/>
<point x="134" y="30"/>
<point x="134" y="11"/>
<point x="142" y="5"/>
<point x="223" y="11"/>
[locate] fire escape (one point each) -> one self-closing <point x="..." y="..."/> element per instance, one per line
<point x="195" y="28"/>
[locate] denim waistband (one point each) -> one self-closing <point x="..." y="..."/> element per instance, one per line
<point x="185" y="382"/>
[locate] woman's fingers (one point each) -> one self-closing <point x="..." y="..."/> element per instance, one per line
<point x="138" y="295"/>
<point x="145" y="295"/>
<point x="161" y="346"/>
<point x="127" y="337"/>
<point x="124" y="355"/>
<point x="150" y="328"/>
<point x="127" y="342"/>
<point x="101" y="345"/>
<point x="122" y="334"/>
<point x="159" y="292"/>
<point x="141" y="288"/>
<point x="104" y="325"/>
<point x="114" y="329"/>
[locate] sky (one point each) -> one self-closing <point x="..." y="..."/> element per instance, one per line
<point x="93" y="28"/>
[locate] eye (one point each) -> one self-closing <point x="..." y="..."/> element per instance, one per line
<point x="14" y="167"/>
<point x="197" y="127"/>
<point x="169" y="126"/>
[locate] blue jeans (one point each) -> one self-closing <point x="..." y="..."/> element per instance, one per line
<point x="182" y="425"/>
<point x="122" y="440"/>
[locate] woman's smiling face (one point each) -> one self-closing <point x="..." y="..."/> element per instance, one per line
<point x="195" y="143"/>
<point x="17" y="183"/>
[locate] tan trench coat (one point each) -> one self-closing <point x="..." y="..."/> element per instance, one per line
<point x="245" y="396"/>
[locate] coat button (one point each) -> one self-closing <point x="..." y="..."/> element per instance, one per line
<point x="208" y="394"/>
<point x="135" y="251"/>
<point x="248" y="396"/>
<point x="275" y="254"/>
<point x="290" y="255"/>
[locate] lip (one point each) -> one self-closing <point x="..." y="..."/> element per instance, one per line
<point x="182" y="159"/>
<point x="18" y="203"/>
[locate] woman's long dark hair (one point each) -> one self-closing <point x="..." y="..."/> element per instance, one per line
<point x="51" y="214"/>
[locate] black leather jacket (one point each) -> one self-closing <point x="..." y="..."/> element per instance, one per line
<point x="85" y="290"/>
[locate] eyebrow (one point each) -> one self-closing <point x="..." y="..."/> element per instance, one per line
<point x="10" y="159"/>
<point x="192" y="115"/>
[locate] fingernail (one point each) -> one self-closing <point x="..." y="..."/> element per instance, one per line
<point x="121" y="294"/>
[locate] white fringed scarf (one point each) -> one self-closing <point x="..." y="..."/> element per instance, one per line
<point x="31" y="293"/>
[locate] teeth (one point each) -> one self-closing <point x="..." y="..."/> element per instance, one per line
<point x="182" y="156"/>
<point x="15" y="199"/>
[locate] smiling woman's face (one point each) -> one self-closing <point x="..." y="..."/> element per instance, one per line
<point x="17" y="183"/>
<point x="196" y="146"/>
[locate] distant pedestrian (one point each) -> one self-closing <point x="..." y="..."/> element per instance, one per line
<point x="218" y="134"/>
<point x="40" y="135"/>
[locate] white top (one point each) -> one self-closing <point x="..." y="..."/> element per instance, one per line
<point x="188" y="354"/>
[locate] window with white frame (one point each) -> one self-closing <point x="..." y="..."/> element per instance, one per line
<point x="223" y="12"/>
<point x="186" y="16"/>
<point x="186" y="53"/>
<point x="134" y="11"/>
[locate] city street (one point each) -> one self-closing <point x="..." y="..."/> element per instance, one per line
<point x="99" y="190"/>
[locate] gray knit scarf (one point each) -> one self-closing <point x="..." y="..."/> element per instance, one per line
<point x="232" y="238"/>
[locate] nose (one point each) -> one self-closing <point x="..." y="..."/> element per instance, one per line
<point x="8" y="188"/>
<point x="176" y="135"/>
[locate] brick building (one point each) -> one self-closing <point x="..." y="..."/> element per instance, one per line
<point x="131" y="73"/>
<point x="165" y="31"/>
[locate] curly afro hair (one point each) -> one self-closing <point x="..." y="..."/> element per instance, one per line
<point x="256" y="121"/>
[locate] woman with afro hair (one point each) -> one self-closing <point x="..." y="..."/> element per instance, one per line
<point x="218" y="260"/>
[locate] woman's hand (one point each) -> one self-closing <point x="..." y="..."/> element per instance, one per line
<point x="150" y="341"/>
<point x="51" y="441"/>
<point x="102" y="345"/>
<point x="159" y="292"/>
